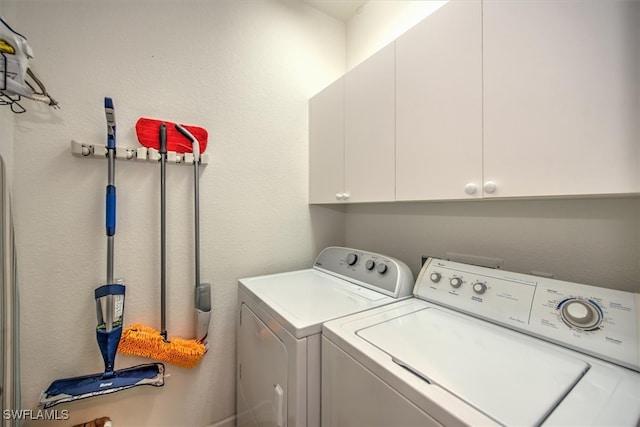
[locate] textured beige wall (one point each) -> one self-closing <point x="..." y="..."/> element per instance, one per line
<point x="242" y="69"/>
<point x="591" y="241"/>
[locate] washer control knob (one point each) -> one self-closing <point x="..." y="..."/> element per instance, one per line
<point x="382" y="268"/>
<point x="352" y="258"/>
<point x="580" y="314"/>
<point x="370" y="264"/>
<point x="435" y="277"/>
<point x="456" y="282"/>
<point x="479" y="288"/>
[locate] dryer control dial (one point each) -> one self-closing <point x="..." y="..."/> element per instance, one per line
<point x="580" y="313"/>
<point x="435" y="277"/>
<point x="479" y="287"/>
<point x="382" y="268"/>
<point x="352" y="258"/>
<point x="456" y="282"/>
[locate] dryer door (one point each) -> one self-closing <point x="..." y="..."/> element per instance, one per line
<point x="262" y="373"/>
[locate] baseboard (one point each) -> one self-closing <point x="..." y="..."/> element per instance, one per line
<point x="228" y="422"/>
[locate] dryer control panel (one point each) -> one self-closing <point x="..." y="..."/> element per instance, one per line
<point x="381" y="273"/>
<point x="598" y="321"/>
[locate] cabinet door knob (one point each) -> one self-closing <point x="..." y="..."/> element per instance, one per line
<point x="338" y="196"/>
<point x="345" y="196"/>
<point x="489" y="187"/>
<point x="470" y="188"/>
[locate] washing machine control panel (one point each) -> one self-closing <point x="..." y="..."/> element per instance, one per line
<point x="381" y="273"/>
<point x="598" y="321"/>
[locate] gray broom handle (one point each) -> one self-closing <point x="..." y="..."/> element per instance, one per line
<point x="163" y="232"/>
<point x="196" y="187"/>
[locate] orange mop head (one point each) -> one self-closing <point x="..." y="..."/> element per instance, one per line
<point x="139" y="340"/>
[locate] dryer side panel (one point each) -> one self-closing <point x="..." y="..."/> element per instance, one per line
<point x="262" y="374"/>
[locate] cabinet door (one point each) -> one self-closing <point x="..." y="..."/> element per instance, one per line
<point x="561" y="97"/>
<point x="326" y="144"/>
<point x="370" y="129"/>
<point x="439" y="105"/>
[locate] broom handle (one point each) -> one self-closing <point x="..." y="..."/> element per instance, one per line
<point x="163" y="232"/>
<point x="196" y="193"/>
<point x="197" y="216"/>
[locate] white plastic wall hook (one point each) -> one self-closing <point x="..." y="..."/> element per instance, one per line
<point x="153" y="155"/>
<point x="141" y="154"/>
<point x="121" y="153"/>
<point x="76" y="148"/>
<point x="99" y="151"/>
<point x="79" y="149"/>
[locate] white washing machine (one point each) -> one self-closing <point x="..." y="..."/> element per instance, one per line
<point x="480" y="346"/>
<point x="280" y="320"/>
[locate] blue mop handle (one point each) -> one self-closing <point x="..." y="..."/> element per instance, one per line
<point x="111" y="188"/>
<point x="111" y="210"/>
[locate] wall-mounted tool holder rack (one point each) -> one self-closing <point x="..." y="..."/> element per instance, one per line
<point x="140" y="154"/>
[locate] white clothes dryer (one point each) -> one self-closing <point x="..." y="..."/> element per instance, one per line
<point x="279" y="325"/>
<point x="479" y="346"/>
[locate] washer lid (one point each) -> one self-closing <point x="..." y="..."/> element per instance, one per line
<point x="510" y="378"/>
<point x="303" y="300"/>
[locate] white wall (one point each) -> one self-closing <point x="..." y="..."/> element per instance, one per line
<point x="379" y="22"/>
<point x="243" y="70"/>
<point x="6" y="139"/>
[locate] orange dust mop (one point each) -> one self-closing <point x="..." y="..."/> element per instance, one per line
<point x="144" y="341"/>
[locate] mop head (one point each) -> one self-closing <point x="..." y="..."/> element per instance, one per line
<point x="147" y="131"/>
<point x="139" y="340"/>
<point x="76" y="388"/>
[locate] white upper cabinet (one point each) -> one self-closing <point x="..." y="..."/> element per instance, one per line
<point x="352" y="135"/>
<point x="326" y="144"/>
<point x="561" y="97"/>
<point x="439" y="105"/>
<point x="486" y="99"/>
<point x="369" y="129"/>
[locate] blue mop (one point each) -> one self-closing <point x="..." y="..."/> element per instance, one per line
<point x="110" y="308"/>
